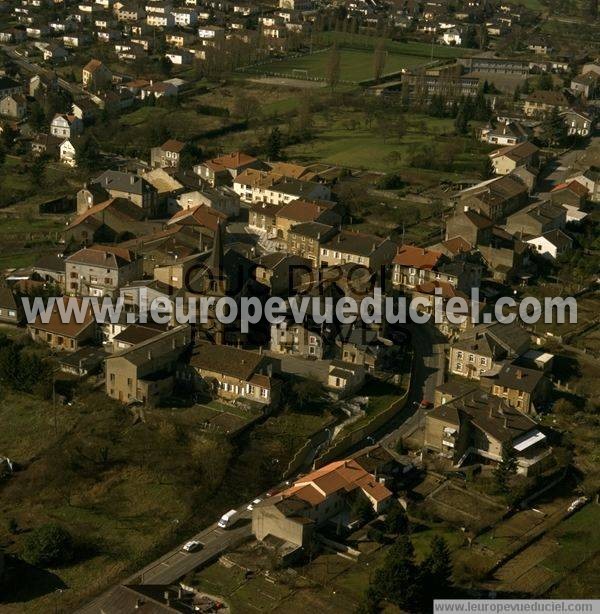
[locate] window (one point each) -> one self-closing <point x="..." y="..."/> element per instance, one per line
<point x="459" y="355"/>
<point x="471" y="358"/>
<point x="483" y="361"/>
<point x="264" y="393"/>
<point x="459" y="366"/>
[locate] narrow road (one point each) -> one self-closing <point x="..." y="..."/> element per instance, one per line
<point x="169" y="568"/>
<point x="32" y="67"/>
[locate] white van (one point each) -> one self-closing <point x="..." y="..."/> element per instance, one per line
<point x="227" y="519"/>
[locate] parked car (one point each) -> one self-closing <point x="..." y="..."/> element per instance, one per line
<point x="253" y="503"/>
<point x="575" y="505"/>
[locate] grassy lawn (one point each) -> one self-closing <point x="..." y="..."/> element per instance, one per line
<point x="534" y="5"/>
<point x="579" y="539"/>
<point x="350" y="139"/>
<point x="355" y="65"/>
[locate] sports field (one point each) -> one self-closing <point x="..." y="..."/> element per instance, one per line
<point x="355" y="65"/>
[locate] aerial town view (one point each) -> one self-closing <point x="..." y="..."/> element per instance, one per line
<point x="299" y="306"/>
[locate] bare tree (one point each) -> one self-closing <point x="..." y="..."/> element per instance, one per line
<point x="333" y="67"/>
<point x="379" y="58"/>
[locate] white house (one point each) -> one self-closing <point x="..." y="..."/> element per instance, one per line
<point x="452" y="37"/>
<point x="551" y="244"/>
<point x="185" y="17"/>
<point x="68" y="155"/>
<point x="66" y="126"/>
<point x="158" y="20"/>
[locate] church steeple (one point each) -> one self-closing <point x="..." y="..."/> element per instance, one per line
<point x="215" y="260"/>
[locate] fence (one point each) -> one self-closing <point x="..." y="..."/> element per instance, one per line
<point x="303" y="453"/>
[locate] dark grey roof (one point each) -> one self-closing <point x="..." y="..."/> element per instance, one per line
<point x="7" y="83"/>
<point x="518" y="378"/>
<point x="354" y="243"/>
<point x="124" y="182"/>
<point x="50" y="262"/>
<point x="312" y="230"/>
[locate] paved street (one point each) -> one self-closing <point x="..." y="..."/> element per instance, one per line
<point x="169" y="568"/>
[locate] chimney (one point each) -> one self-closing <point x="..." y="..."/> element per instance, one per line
<point x="505" y="422"/>
<point x="465" y="208"/>
<point x="132" y="179"/>
<point x="167" y="597"/>
<point x="491" y="412"/>
<point x="519" y="374"/>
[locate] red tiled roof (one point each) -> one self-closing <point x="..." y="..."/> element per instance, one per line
<point x="418" y="257"/>
<point x="574" y="186"/>
<point x="199" y="216"/>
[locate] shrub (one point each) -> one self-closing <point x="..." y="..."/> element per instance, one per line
<point x="48" y="545"/>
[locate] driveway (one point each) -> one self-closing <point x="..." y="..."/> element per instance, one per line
<point x="303" y="367"/>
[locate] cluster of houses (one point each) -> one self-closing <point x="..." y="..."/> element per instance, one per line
<point x="239" y="226"/>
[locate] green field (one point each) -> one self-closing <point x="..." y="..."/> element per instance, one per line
<point x="350" y="140"/>
<point x="415" y="48"/>
<point x="355" y="65"/>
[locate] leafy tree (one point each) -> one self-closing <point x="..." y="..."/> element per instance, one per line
<point x="505" y="469"/>
<point x="38" y="170"/>
<point x="306" y="392"/>
<point x="88" y="153"/>
<point x="333" y="68"/>
<point x="396" y="520"/>
<point x="482" y="37"/>
<point x="48" y="545"/>
<point x="470" y="39"/>
<point x="8" y="136"/>
<point x="391" y="181"/>
<point x="545" y="81"/>
<point x="165" y="66"/>
<point x="554" y="129"/>
<point x="397" y="581"/>
<point x="274" y="144"/>
<point x="461" y="124"/>
<point x="487" y="168"/>
<point x="379" y="58"/>
<point x="190" y="155"/>
<point x="436" y="570"/>
<point x="362" y="510"/>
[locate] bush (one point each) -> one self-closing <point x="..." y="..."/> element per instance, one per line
<point x="49" y="545"/>
<point x="391" y="181"/>
<point x="375" y="535"/>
